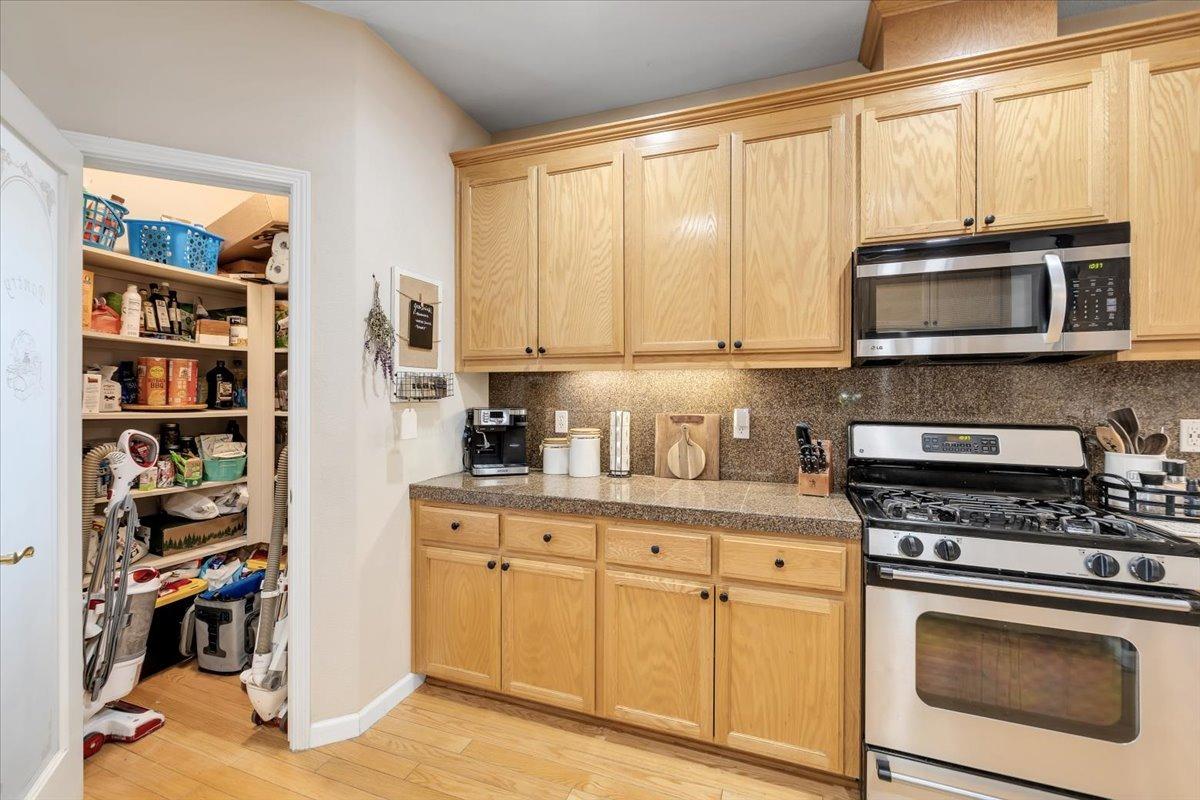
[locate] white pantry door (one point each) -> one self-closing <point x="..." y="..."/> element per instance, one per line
<point x="41" y="695"/>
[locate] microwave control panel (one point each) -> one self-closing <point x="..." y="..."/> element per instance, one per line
<point x="1098" y="295"/>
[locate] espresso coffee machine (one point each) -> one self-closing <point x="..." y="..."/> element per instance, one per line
<point x="494" y="442"/>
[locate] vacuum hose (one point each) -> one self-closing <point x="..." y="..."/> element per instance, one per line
<point x="91" y="471"/>
<point x="270" y="585"/>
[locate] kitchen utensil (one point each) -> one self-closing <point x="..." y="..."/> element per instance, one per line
<point x="704" y="430"/>
<point x="1153" y="477"/>
<point x="686" y="458"/>
<point x="1155" y="444"/>
<point x="1109" y="439"/>
<point x="1128" y="443"/>
<point x="814" y="477"/>
<point x="1128" y="420"/>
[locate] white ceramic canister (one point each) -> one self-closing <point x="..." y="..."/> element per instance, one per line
<point x="556" y="455"/>
<point x="585" y="452"/>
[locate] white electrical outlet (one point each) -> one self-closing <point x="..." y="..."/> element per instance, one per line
<point x="741" y="423"/>
<point x="1189" y="435"/>
<point x="560" y="422"/>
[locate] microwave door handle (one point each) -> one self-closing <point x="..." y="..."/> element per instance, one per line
<point x="1058" y="298"/>
<point x="1044" y="590"/>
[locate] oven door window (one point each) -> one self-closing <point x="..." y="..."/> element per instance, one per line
<point x="980" y="301"/>
<point x="1079" y="683"/>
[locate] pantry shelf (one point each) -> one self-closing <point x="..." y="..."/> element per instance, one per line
<point x="180" y="415"/>
<point x="206" y="486"/>
<point x="127" y="264"/>
<point x="184" y="556"/>
<point x="280" y="350"/>
<point x="113" y="340"/>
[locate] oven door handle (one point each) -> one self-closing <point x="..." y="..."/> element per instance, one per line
<point x="886" y="773"/>
<point x="1044" y="590"/>
<point x="1058" y="298"/>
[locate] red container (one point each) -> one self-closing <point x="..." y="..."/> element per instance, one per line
<point x="152" y="381"/>
<point x="182" y="376"/>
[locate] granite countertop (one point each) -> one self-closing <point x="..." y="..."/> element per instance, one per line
<point x="746" y="505"/>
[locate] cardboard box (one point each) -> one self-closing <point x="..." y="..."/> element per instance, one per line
<point x="212" y="331"/>
<point x="249" y="228"/>
<point x="245" y="267"/>
<point x="174" y="534"/>
<point x="89" y="287"/>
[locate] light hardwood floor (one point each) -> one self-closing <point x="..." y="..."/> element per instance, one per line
<point x="438" y="744"/>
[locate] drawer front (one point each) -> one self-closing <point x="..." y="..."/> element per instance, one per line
<point x="811" y="565"/>
<point x="672" y="551"/>
<point x="459" y="526"/>
<point x="552" y="537"/>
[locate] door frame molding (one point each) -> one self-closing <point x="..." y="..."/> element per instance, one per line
<point x="165" y="162"/>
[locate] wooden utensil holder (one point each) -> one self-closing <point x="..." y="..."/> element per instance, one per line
<point x="817" y="484"/>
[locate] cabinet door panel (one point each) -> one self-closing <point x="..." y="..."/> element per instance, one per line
<point x="780" y="674"/>
<point x="460" y="616"/>
<point x="550" y="633"/>
<point x="790" y="236"/>
<point x="1043" y="152"/>
<point x="658" y="653"/>
<point x="678" y="246"/>
<point x="581" y="258"/>
<point x="1165" y="186"/>
<point x="498" y="272"/>
<point x="917" y="169"/>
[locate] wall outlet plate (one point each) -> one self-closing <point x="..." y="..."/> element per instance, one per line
<point x="741" y="423"/>
<point x="560" y="422"/>
<point x="1189" y="435"/>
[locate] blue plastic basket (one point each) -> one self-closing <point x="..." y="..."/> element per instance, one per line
<point x="176" y="243"/>
<point x="102" y="221"/>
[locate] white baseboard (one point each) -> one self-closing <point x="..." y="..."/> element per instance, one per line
<point x="348" y="726"/>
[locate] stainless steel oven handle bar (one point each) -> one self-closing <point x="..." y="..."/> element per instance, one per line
<point x="1019" y="587"/>
<point x="1058" y="297"/>
<point x="899" y="777"/>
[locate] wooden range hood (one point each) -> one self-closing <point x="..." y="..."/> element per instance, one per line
<point x="904" y="33"/>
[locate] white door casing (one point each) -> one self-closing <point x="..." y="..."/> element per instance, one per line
<point x="40" y="634"/>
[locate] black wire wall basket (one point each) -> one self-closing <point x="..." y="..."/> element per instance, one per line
<point x="1154" y="502"/>
<point x="418" y="387"/>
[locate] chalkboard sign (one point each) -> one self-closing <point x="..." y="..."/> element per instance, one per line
<point x="420" y="325"/>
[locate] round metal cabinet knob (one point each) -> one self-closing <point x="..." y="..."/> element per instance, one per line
<point x="455" y="525"/>
<point x="655" y="549"/>
<point x="491" y="565"/>
<point x="504" y="566"/>
<point x="704" y="594"/>
<point x="528" y="351"/>
<point x="968" y="222"/>
<point x="541" y="349"/>
<point x="721" y="344"/>
<point x="779" y="563"/>
<point x="723" y="597"/>
<point x="737" y="344"/>
<point x="989" y="219"/>
<point x="546" y="537"/>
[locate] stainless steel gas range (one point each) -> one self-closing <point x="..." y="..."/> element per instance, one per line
<point x="1019" y="643"/>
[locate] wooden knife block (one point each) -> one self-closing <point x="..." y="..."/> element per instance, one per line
<point x="817" y="484"/>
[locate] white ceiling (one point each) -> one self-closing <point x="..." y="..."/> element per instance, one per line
<point x="513" y="63"/>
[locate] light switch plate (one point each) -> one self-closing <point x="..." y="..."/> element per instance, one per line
<point x="560" y="422"/>
<point x="741" y="423"/>
<point x="1189" y="435"/>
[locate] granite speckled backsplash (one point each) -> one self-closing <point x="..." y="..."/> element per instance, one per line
<point x="1060" y="394"/>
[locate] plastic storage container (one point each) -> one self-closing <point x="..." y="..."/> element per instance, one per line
<point x="585" y="452"/>
<point x="556" y="459"/>
<point x="224" y="469"/>
<point x="103" y="221"/>
<point x="176" y="243"/>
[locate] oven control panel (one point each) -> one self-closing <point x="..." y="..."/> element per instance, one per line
<point x="974" y="443"/>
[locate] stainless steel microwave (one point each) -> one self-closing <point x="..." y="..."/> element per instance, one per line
<point x="1052" y="294"/>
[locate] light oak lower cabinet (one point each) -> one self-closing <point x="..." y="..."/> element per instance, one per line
<point x="550" y="633"/>
<point x="658" y="654"/>
<point x="460" y="616"/>
<point x="780" y="675"/>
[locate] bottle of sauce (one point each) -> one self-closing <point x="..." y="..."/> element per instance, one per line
<point x="162" y="315"/>
<point x="148" y="324"/>
<point x="220" y="387"/>
<point x="173" y="313"/>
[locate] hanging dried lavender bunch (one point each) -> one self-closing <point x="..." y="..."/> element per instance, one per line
<point x="379" y="339"/>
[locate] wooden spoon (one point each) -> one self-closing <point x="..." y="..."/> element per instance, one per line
<point x="685" y="459"/>
<point x="1129" y="444"/>
<point x="1109" y="439"/>
<point x="1156" y="444"/>
<point x="1128" y="420"/>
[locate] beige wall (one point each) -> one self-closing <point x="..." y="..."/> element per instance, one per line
<point x="287" y="84"/>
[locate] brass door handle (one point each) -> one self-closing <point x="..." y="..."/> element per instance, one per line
<point x="13" y="558"/>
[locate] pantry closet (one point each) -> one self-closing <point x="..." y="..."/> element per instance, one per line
<point x="185" y="325"/>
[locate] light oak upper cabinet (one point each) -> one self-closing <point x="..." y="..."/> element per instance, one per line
<point x="917" y="171"/>
<point x="498" y="266"/>
<point x="658" y="653"/>
<point x="581" y="257"/>
<point x="460" y="616"/>
<point x="791" y="239"/>
<point x="1165" y="186"/>
<point x="677" y="247"/>
<point x="779" y="676"/>
<point x="1043" y="152"/>
<point x="550" y="633"/>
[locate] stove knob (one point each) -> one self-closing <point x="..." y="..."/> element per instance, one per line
<point x="1147" y="569"/>
<point x="911" y="546"/>
<point x="1102" y="565"/>
<point x="947" y="550"/>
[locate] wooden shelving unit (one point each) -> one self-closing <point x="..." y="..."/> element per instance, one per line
<point x="204" y="487"/>
<point x="124" y="264"/>
<point x="184" y="556"/>
<point x="147" y="343"/>
<point x="212" y="413"/>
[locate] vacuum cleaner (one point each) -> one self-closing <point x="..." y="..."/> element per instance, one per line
<point x="266" y="679"/>
<point x="118" y="606"/>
